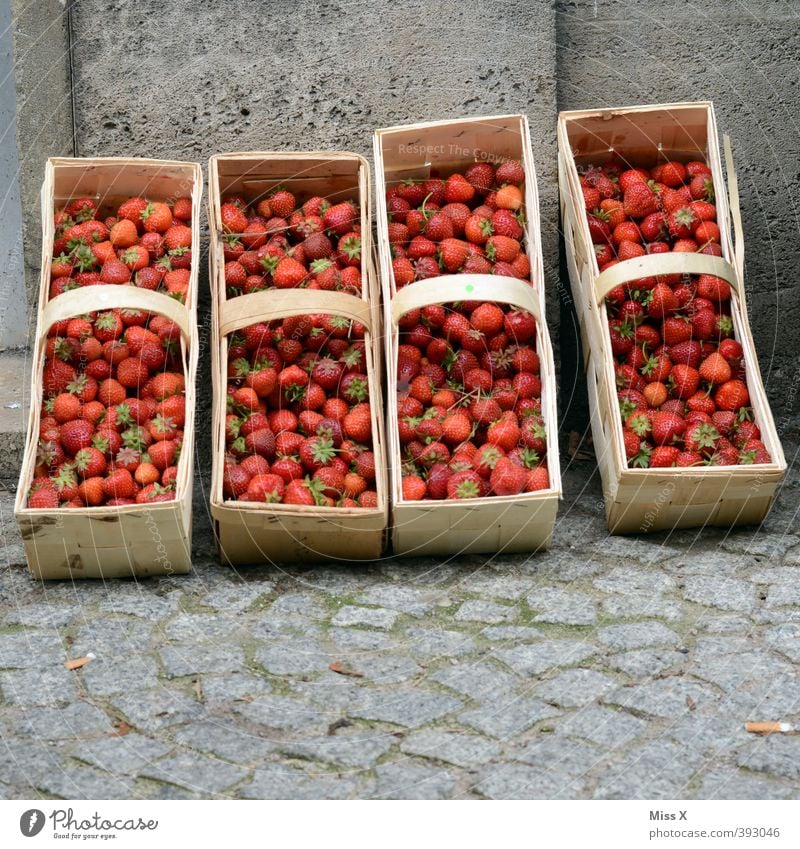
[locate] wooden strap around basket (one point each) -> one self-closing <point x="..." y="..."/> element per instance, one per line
<point x="281" y="303"/>
<point x="735" y="210"/>
<point x="465" y="287"/>
<point x="666" y="263"/>
<point x="94" y="298"/>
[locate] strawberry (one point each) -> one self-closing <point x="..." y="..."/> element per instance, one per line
<point x="701" y="438"/>
<point x="458" y="189"/>
<point x="663" y="456"/>
<point x="507" y="478"/>
<point x="340" y="217"/>
<point x="667" y="428"/>
<point x="453" y="254"/>
<point x="157" y="217"/>
<point x="43" y="495"/>
<point x="119" y="484"/>
<point x="439" y="227"/>
<point x="714" y="288"/>
<point x="640" y="200"/>
<point x="510" y="172"/>
<point x="732" y="395"/>
<point x="91" y="491"/>
<point x="504" y="433"/>
<point x="684" y="380"/>
<point x="268" y="488"/>
<point x="715" y="369"/>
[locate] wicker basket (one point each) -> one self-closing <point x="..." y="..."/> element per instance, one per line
<point x="482" y="525"/>
<point x="640" y="500"/>
<point x="141" y="539"/>
<point x="250" y="533"/>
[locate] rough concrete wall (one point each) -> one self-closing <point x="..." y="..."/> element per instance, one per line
<point x="13" y="316"/>
<point x="271" y="75"/>
<point x="152" y="80"/>
<point x="743" y="56"/>
<point x="44" y="112"/>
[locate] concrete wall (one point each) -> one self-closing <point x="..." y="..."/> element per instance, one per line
<point x="743" y="56"/>
<point x="187" y="80"/>
<point x="44" y="111"/>
<point x="13" y="319"/>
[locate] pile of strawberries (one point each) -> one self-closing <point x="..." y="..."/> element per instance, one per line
<point x="146" y="243"/>
<point x="299" y="428"/>
<point x="274" y="244"/>
<point x="469" y="402"/>
<point x="470" y="223"/>
<point x="113" y="412"/>
<point x="680" y="373"/>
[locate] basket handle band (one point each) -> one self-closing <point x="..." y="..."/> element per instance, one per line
<point x="735" y="209"/>
<point x="282" y="303"/>
<point x="666" y="263"/>
<point x="95" y="298"/>
<point x="465" y="287"/>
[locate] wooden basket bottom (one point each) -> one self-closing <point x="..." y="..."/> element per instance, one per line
<point x="649" y="513"/>
<point x="127" y="550"/>
<point x="436" y="529"/>
<point x="248" y="536"/>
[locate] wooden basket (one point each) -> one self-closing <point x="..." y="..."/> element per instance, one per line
<point x="252" y="533"/>
<point x="519" y="523"/>
<point x="141" y="539"/>
<point x="640" y="500"/>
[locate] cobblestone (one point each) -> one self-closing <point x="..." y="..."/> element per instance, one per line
<point x="724" y="593"/>
<point x="485" y="611"/>
<point x="544" y="655"/>
<point x="464" y="750"/>
<point x="562" y="607"/>
<point x="409" y="781"/>
<point x="608" y="667"/>
<point x="601" y="725"/>
<point x="575" y="687"/>
<point x="370" y="617"/>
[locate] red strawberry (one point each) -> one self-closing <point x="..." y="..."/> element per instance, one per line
<point x="732" y="395"/>
<point x="684" y="380"/>
<point x="664" y="456"/>
<point x="701" y="438"/>
<point x="667" y="428"/>
<point x="157" y="217"/>
<point x="507" y="478"/>
<point x="640" y="200"/>
<point x="510" y="172"/>
<point x="715" y="369"/>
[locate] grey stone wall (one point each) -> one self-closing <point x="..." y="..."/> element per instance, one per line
<point x="744" y="57"/>
<point x="188" y="80"/>
<point x="44" y="112"/>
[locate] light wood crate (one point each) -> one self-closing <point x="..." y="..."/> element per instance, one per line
<point x="257" y="533"/>
<point x="133" y="540"/>
<point x="642" y="500"/>
<point x="520" y="523"/>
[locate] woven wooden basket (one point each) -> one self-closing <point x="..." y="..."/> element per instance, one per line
<point x="141" y="539"/>
<point x="253" y="533"/>
<point x="640" y="500"/>
<point x="482" y="525"/>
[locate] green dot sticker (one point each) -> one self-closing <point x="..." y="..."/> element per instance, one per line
<point x="470" y="287"/>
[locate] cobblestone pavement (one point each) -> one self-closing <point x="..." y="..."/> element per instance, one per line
<point x="607" y="667"/>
